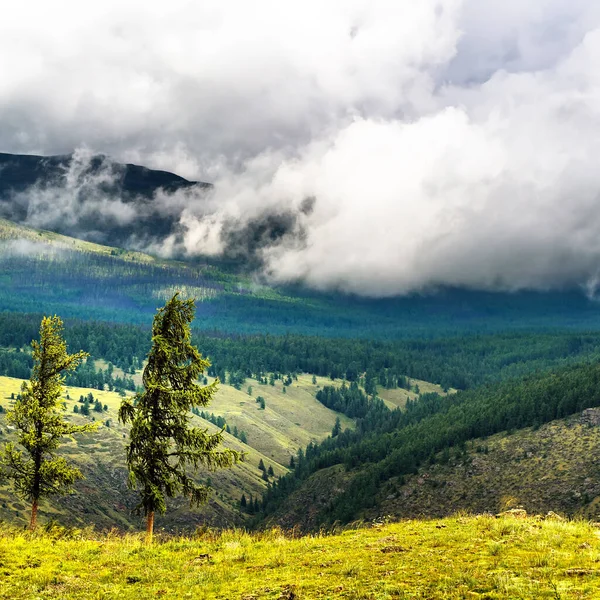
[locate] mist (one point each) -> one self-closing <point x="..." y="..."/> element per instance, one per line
<point x="378" y="148"/>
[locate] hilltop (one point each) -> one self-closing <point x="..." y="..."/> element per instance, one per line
<point x="459" y="557"/>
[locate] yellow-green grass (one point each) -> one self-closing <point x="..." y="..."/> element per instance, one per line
<point x="459" y="557"/>
<point x="397" y="397"/>
<point x="14" y="231"/>
<point x="289" y="421"/>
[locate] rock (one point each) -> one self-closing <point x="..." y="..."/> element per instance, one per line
<point x="552" y="516"/>
<point x="590" y="416"/>
<point x="517" y="513"/>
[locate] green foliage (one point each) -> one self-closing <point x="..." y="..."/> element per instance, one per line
<point x="162" y="445"/>
<point x="337" y="428"/>
<point x="35" y="470"/>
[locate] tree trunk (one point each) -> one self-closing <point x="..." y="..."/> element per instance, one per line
<point x="34" y="510"/>
<point x="149" y="526"/>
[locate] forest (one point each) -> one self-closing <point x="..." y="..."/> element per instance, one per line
<point x="459" y="362"/>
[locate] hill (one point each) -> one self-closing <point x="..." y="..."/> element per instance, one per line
<point x="459" y="557"/>
<point x="288" y="423"/>
<point x="84" y="192"/>
<point x="363" y="472"/>
<point x="552" y="467"/>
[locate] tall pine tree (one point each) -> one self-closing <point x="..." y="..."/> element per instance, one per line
<point x="36" y="471"/>
<point x="162" y="444"/>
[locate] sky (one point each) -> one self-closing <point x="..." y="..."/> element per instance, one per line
<point x="405" y="144"/>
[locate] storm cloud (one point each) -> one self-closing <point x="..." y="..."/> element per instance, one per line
<point x="378" y="147"/>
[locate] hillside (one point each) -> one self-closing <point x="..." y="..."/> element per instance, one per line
<point x="362" y="473"/>
<point x="553" y="467"/>
<point x="62" y="274"/>
<point x="92" y="195"/>
<point x="459" y="557"/>
<point x="289" y="422"/>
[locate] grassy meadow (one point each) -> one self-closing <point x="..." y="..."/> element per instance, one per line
<point x="458" y="557"/>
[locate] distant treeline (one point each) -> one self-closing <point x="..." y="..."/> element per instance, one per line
<point x="395" y="443"/>
<point x="459" y="362"/>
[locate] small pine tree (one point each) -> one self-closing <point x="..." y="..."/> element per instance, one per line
<point x="243" y="502"/>
<point x="265" y="476"/>
<point x="161" y="442"/>
<point x="76" y="409"/>
<point x="261" y="465"/>
<point x="270" y="471"/>
<point x="337" y="428"/>
<point x="292" y="462"/>
<point x="243" y="437"/>
<point x="314" y="380"/>
<point x="39" y="424"/>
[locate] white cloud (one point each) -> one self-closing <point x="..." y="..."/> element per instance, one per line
<point x="445" y="142"/>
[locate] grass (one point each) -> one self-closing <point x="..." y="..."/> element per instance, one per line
<point x="458" y="557"/>
<point x="397" y="397"/>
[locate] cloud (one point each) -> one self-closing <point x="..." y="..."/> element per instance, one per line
<point x="440" y="142"/>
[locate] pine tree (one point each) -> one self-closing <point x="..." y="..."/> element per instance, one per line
<point x="261" y="465"/>
<point x="36" y="471"/>
<point x="337" y="428"/>
<point x="162" y="444"/>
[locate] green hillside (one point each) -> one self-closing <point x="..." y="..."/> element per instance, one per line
<point x="455" y="558"/>
<point x="553" y="467"/>
<point x="288" y="423"/>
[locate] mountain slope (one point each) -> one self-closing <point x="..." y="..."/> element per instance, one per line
<point x="289" y="422"/>
<point x="553" y="467"/>
<point x="93" y="197"/>
<point x="18" y="172"/>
